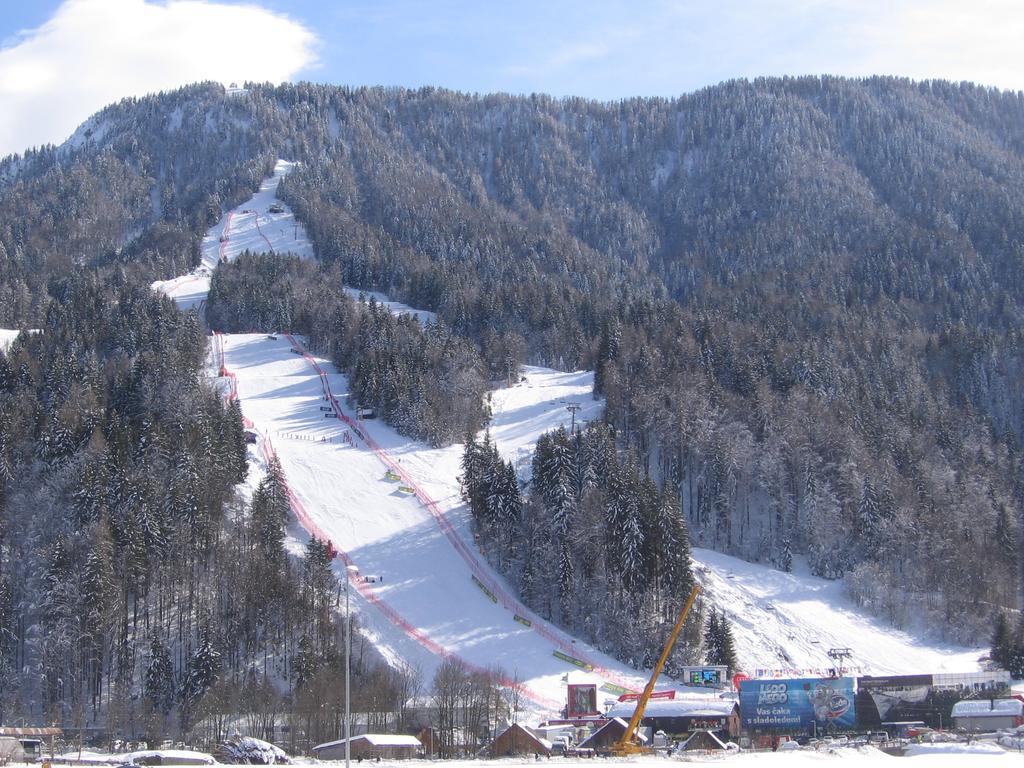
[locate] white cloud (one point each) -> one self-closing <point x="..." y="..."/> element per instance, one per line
<point x="94" y="52"/>
<point x="952" y="39"/>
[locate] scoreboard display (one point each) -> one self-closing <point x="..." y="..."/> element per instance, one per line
<point x="706" y="676"/>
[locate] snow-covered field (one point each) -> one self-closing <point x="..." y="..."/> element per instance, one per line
<point x="950" y="756"/>
<point x="846" y="757"/>
<point x="249" y="227"/>
<point x="436" y="596"/>
<point x="785" y="624"/>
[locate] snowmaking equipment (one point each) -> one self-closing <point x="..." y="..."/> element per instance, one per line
<point x="627" y="744"/>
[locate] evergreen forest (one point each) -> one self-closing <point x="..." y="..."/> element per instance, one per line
<point x="802" y="298"/>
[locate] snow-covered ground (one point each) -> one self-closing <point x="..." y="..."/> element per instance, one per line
<point x="539" y="403"/>
<point x="395" y="307"/>
<point x="846" y="757"/>
<point x="7" y="337"/>
<point x="949" y="756"/>
<point x="248" y="227"/>
<point x="785" y="623"/>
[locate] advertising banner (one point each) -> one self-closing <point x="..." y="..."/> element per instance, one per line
<point x="582" y="700"/>
<point x="892" y="694"/>
<point x="801" y="704"/>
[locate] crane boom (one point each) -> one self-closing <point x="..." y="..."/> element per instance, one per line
<point x="626" y="745"/>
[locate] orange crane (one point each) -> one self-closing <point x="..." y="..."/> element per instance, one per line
<point x="627" y="744"/>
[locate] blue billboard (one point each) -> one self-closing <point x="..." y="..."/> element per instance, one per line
<point x="797" y="704"/>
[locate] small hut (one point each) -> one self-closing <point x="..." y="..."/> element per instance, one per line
<point x="516" y="740"/>
<point x="988" y="714"/>
<point x="370" y="746"/>
<point x="168" y="757"/>
<point x="32" y="739"/>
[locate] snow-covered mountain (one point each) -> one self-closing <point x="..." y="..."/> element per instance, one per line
<point x="392" y="507"/>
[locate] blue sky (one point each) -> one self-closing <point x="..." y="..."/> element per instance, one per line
<point x="61" y="61"/>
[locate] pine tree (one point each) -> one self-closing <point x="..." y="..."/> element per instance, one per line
<point x="607" y="352"/>
<point x="305" y="663"/>
<point x="712" y="647"/>
<point x="727" y="646"/>
<point x="158" y="683"/>
<point x="1015" y="655"/>
<point x="673" y="539"/>
<point x="1005" y="537"/>
<point x="868" y="519"/>
<point x="98" y="584"/>
<point x="470" y="479"/>
<point x="786" y="560"/>
<point x="201" y="673"/>
<point x="719" y="645"/>
<point x="1002" y="642"/>
<point x="234" y="443"/>
<point x="269" y="514"/>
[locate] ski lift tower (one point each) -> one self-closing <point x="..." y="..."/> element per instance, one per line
<point x="840" y="655"/>
<point x="572" y="407"/>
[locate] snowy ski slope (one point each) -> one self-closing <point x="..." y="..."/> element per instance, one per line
<point x="437" y="596"/>
<point x="249" y="227"/>
<point x="785" y="623"/>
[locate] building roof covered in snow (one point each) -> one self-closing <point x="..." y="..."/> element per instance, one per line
<point x="168" y="757"/>
<point x="988" y="708"/>
<point x="609" y="733"/>
<point x="377" y="740"/>
<point x="691" y="706"/>
<point x="516" y="740"/>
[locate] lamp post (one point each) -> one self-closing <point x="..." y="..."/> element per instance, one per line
<point x="350" y="572"/>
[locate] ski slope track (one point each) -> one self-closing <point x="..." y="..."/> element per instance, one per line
<point x="393" y="508"/>
<point x="249" y="227"/>
<point x="784" y="624"/>
<point x="437" y="597"/>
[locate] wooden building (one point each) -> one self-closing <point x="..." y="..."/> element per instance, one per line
<point x="608" y="734"/>
<point x="369" y="746"/>
<point x="34" y="742"/>
<point x="516" y="740"/>
<point x="683" y="716"/>
<point x="988" y="714"/>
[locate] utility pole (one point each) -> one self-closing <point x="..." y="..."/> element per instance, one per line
<point x="573" y="408"/>
<point x="350" y="573"/>
<point x="840" y="655"/>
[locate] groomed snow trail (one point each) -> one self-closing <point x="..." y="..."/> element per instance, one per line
<point x="437" y="597"/>
<point x="249" y="227"/>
